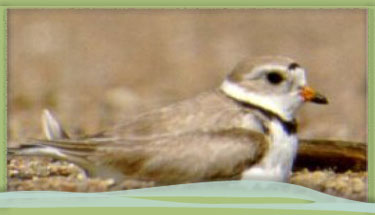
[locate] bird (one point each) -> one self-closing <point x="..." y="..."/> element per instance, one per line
<point x="246" y="129"/>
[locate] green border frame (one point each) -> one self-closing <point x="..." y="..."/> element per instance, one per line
<point x="371" y="103"/>
<point x="364" y="4"/>
<point x="3" y="98"/>
<point x="190" y="3"/>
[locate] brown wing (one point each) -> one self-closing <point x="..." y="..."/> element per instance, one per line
<point x="190" y="157"/>
<point x="206" y="112"/>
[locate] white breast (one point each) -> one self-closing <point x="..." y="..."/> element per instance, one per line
<point x="276" y="165"/>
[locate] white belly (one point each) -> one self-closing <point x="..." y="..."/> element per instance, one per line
<point x="277" y="164"/>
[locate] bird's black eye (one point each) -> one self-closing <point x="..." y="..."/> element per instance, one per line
<point x="275" y="77"/>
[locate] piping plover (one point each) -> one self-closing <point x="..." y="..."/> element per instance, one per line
<point x="245" y="129"/>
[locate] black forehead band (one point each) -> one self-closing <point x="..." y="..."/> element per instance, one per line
<point x="293" y="66"/>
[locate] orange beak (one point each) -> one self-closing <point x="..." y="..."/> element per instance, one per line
<point x="310" y="95"/>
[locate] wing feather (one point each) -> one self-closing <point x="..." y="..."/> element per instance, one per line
<point x="190" y="157"/>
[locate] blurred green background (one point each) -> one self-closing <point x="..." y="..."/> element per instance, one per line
<point x="94" y="67"/>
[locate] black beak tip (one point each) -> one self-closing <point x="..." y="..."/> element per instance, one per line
<point x="320" y="100"/>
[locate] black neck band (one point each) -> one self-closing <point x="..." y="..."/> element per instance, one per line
<point x="289" y="126"/>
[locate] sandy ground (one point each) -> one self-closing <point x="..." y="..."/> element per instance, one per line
<point x="45" y="174"/>
<point x="95" y="67"/>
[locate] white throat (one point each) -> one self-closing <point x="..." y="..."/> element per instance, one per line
<point x="277" y="164"/>
<point x="284" y="106"/>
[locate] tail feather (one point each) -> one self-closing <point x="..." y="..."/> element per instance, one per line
<point x="60" y="146"/>
<point x="54" y="132"/>
<point x="52" y="127"/>
<point x="12" y="151"/>
<point x="35" y="149"/>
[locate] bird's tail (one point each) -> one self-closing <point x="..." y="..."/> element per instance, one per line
<point x="52" y="130"/>
<point x="58" y="145"/>
<point x="36" y="149"/>
<point x="52" y="127"/>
